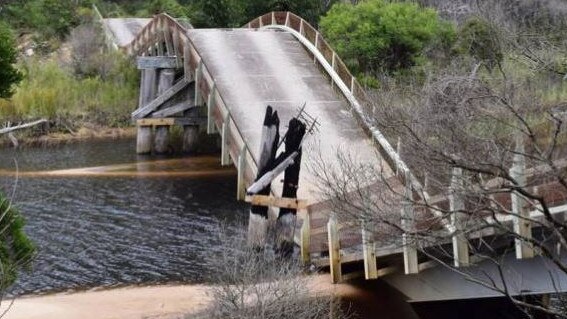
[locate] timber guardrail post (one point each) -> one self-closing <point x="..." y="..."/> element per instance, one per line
<point x="457" y="206"/>
<point x="522" y="224"/>
<point x="305" y="237"/>
<point x="408" y="241"/>
<point x="368" y="252"/>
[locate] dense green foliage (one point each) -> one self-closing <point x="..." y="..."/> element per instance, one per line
<point x="9" y="75"/>
<point x="376" y="35"/>
<point x="49" y="17"/>
<point x="16" y="249"/>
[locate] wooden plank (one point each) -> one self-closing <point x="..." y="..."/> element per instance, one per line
<point x="180" y="121"/>
<point x="369" y="253"/>
<point x="152" y="106"/>
<point x="155" y="122"/>
<point x="305" y="239"/>
<point x="457" y="205"/>
<point x="172" y="110"/>
<point x="334" y="250"/>
<point x="281" y="202"/>
<point x="522" y="225"/>
<point x="156" y="62"/>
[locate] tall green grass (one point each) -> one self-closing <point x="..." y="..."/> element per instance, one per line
<point x="53" y="92"/>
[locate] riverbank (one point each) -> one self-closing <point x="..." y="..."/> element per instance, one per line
<point x="151" y="302"/>
<point x="85" y="133"/>
<point x="164" y="302"/>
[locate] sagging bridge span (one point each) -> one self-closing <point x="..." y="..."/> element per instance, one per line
<point x="220" y="80"/>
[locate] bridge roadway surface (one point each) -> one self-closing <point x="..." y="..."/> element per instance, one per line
<point x="253" y="68"/>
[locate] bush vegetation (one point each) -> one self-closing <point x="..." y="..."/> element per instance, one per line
<point x="379" y="36"/>
<point x="16" y="249"/>
<point x="106" y="101"/>
<point x="253" y="283"/>
<point x="9" y="75"/>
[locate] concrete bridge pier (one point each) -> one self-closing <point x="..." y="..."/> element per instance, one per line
<point x="148" y="91"/>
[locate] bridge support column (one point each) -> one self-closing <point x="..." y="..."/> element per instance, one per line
<point x="148" y="90"/>
<point x="161" y="141"/>
<point x="190" y="138"/>
<point x="144" y="140"/>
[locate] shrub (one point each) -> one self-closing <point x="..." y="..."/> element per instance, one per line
<point x="478" y="38"/>
<point x="16" y="249"/>
<point x="375" y="35"/>
<point x="9" y="75"/>
<point x="52" y="92"/>
<point x="253" y="283"/>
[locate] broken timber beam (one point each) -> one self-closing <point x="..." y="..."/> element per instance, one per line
<point x="171" y="121"/>
<point x="172" y="110"/>
<point x="281" y="202"/>
<point x="156" y="62"/>
<point x="153" y="105"/>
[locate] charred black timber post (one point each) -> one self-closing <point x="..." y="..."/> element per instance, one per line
<point x="258" y="221"/>
<point x="286" y="219"/>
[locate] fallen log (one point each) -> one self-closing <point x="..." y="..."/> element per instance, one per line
<point x="21" y="126"/>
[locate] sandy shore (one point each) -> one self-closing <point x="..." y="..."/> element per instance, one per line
<point x="163" y="302"/>
<point x="150" y="302"/>
<point x="368" y="298"/>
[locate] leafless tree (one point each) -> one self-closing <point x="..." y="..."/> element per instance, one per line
<point x="253" y="283"/>
<point x="486" y="157"/>
<point x="89" y="57"/>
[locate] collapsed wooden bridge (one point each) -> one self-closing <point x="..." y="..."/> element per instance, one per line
<point x="220" y="81"/>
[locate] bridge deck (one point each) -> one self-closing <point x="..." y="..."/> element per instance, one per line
<point x="256" y="68"/>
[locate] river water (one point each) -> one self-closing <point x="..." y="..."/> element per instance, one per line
<point x="101" y="216"/>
